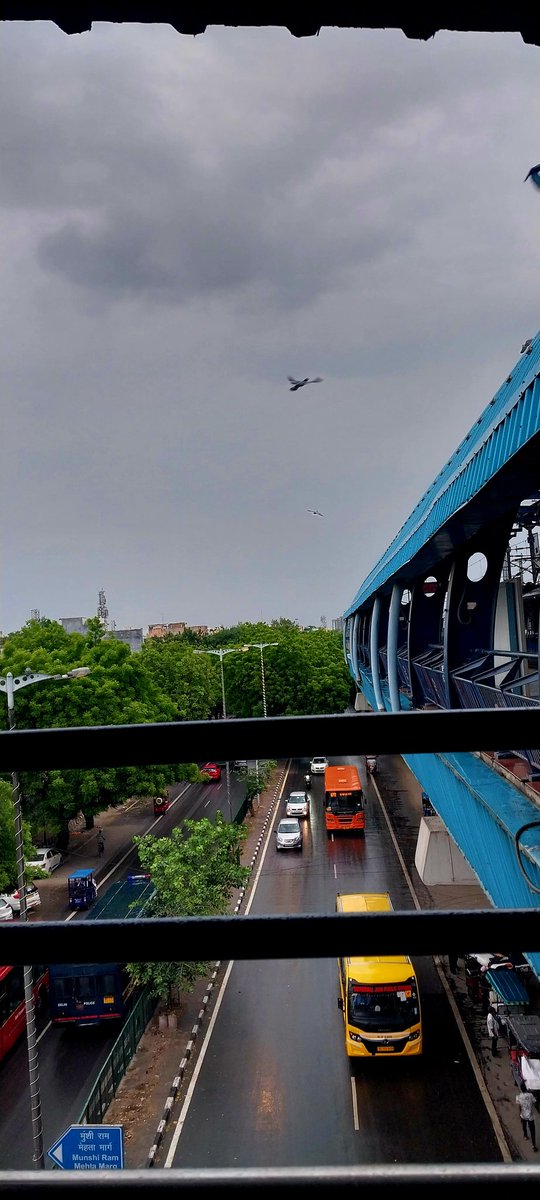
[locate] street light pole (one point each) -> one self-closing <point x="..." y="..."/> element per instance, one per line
<point x="261" y="646"/>
<point x="10" y="685"/>
<point x="224" y="707"/>
<point x="221" y="655"/>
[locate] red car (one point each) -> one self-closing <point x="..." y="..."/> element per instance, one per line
<point x="212" y="770"/>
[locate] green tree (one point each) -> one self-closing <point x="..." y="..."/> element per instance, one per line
<point x="256" y="783"/>
<point x="8" y="856"/>
<point x="305" y="673"/>
<point x="188" y="680"/>
<point x="194" y="871"/>
<point x="118" y="691"/>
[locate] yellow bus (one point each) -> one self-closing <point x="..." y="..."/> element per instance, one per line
<point x="379" y="995"/>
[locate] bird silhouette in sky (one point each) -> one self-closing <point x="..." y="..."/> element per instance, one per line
<point x="534" y="175"/>
<point x="298" y="383"/>
<point x="315" y="512"/>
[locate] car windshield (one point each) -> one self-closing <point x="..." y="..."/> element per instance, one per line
<point x="288" y="827"/>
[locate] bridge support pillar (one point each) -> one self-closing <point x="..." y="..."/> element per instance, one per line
<point x="438" y="859"/>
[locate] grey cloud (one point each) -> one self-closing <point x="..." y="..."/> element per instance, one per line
<point x="185" y="222"/>
<point x="175" y="258"/>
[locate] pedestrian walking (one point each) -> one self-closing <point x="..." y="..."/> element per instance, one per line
<point x="525" y="1100"/>
<point x="492" y="1028"/>
<point x="100" y="843"/>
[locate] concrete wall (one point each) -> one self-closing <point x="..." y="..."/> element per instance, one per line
<point x="437" y="858"/>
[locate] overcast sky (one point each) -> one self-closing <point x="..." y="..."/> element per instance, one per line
<point x="184" y="222"/>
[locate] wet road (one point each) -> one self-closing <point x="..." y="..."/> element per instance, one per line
<point x="273" y="1085"/>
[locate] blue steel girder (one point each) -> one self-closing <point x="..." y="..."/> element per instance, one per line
<point x="492" y="471"/>
<point x="456" y="613"/>
<point x="471" y="604"/>
<point x="482" y="810"/>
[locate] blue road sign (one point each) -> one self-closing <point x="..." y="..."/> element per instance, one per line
<point x="89" y="1148"/>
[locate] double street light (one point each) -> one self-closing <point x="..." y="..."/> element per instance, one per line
<point x="221" y="655"/>
<point x="10" y="685"/>
<point x="261" y="646"/>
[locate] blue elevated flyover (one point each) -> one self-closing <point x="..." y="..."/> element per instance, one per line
<point x="440" y="622"/>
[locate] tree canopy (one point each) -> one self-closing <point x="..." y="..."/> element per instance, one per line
<point x="118" y="691"/>
<point x="305" y="673"/>
<point x="194" y="871"/>
<point x="168" y="680"/>
<point x="8" y="855"/>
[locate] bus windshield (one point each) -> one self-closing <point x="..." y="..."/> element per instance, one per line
<point x="388" y="1007"/>
<point x="344" y="802"/>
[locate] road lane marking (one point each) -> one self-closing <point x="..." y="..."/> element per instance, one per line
<point x="355" y="1105"/>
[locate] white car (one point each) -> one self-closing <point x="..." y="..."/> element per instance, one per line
<point x="33" y="898"/>
<point x="47" y="859"/>
<point x="297" y="805"/>
<point x="6" y="911"/>
<point x="289" y="834"/>
<point x="318" y="766"/>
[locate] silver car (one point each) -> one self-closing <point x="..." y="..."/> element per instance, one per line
<point x="318" y="766"/>
<point x="289" y="834"/>
<point x="297" y="805"/>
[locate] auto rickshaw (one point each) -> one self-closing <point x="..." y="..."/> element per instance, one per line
<point x="523" y="1033"/>
<point x="161" y="804"/>
<point x="82" y="888"/>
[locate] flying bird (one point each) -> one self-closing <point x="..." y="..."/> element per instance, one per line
<point x="534" y="175"/>
<point x="315" y="512"/>
<point x="298" y="383"/>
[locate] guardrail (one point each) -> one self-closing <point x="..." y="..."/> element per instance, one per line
<point x="116" y="1065"/>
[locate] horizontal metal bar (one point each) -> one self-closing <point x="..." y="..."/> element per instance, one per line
<point x="434" y="931"/>
<point x="274" y="1181"/>
<point x="270" y="737"/>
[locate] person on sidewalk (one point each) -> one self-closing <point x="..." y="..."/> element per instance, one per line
<point x="525" y="1100"/>
<point x="100" y="843"/>
<point x="492" y="1028"/>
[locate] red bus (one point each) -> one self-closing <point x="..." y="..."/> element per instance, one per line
<point x="343" y="800"/>
<point x="12" y="1007"/>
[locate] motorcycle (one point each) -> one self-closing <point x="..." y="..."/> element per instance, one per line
<point x="427" y="807"/>
<point x="307" y="779"/>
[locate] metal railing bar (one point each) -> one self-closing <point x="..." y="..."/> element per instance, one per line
<point x="432" y="931"/>
<point x="271" y="737"/>
<point x="274" y="1181"/>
